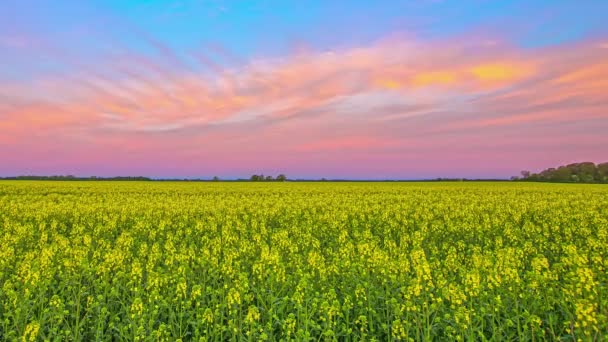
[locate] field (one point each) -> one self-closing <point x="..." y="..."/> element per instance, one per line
<point x="303" y="261"/>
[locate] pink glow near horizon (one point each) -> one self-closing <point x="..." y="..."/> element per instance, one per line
<point x="399" y="108"/>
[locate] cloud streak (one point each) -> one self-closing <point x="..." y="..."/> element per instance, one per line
<point x="398" y="102"/>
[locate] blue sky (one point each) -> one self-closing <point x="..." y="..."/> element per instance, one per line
<point x="252" y="28"/>
<point x="246" y="30"/>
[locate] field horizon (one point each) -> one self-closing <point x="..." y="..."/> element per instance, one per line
<point x="581" y="172"/>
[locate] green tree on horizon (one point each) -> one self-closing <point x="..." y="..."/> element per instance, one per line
<point x="585" y="172"/>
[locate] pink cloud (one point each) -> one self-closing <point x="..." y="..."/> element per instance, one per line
<point x="392" y="104"/>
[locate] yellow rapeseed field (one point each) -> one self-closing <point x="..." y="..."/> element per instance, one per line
<point x="303" y="261"/>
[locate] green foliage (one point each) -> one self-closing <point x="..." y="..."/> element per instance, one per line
<point x="303" y="261"/>
<point x="262" y="178"/>
<point x="586" y="172"/>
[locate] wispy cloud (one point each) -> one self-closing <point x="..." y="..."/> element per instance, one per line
<point x="396" y="98"/>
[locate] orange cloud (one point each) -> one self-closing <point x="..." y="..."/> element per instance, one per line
<point x="388" y="84"/>
<point x="497" y="72"/>
<point x="434" y="78"/>
<point x="388" y="98"/>
<point x="587" y="75"/>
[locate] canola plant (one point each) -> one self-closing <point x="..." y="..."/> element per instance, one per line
<point x="152" y="261"/>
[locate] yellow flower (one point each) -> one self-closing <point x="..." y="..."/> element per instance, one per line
<point x="31" y="332"/>
<point x="253" y="314"/>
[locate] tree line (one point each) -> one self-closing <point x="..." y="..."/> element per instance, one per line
<point x="261" y="178"/>
<point x="253" y="178"/>
<point x="586" y="172"/>
<point x="74" y="178"/>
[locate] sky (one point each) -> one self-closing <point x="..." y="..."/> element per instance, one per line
<point x="335" y="89"/>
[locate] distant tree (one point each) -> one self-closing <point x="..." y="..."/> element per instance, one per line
<point x="562" y="174"/>
<point x="269" y="178"/>
<point x="254" y="178"/>
<point x="586" y="172"/>
<point x="281" y="178"/>
<point x="602" y="172"/>
<point x="547" y="174"/>
<point x="216" y="179"/>
<point x="525" y="174"/>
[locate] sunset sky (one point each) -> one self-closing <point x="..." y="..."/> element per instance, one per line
<point x="335" y="89"/>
